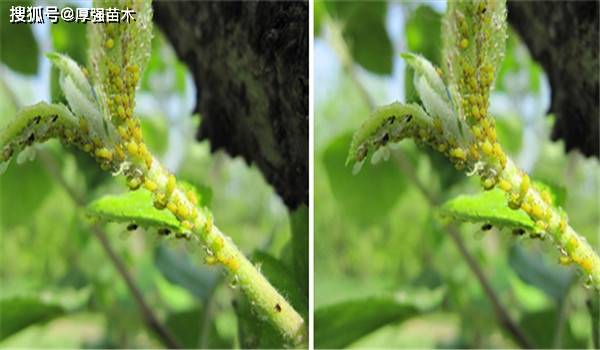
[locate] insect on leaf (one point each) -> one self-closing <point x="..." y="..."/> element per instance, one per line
<point x="135" y="207"/>
<point x="488" y="207"/>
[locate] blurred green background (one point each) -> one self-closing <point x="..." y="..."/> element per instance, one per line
<point x="387" y="273"/>
<point x="54" y="275"/>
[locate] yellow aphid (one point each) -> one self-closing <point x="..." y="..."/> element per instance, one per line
<point x="488" y="184"/>
<point x="143" y="149"/>
<point x="572" y="244"/>
<point x="148" y="160"/>
<point x="565" y="260"/>
<point x="104" y="153"/>
<point x="123" y="132"/>
<point x="171" y="182"/>
<point x="473" y="153"/>
<point x="526" y="207"/>
<point x="137" y="134"/>
<point x="87" y="148"/>
<point x="525" y="184"/>
<point x="232" y="264"/>
<point x="504" y="185"/>
<point x="133" y="148"/>
<point x="458" y="153"/>
<point x="541" y="225"/>
<point x="119" y="152"/>
<point x="546" y="197"/>
<point x="586" y="264"/>
<point x="537" y="211"/>
<point x="211" y="260"/>
<point x="121" y="112"/>
<point x="160" y="201"/>
<point x="150" y="185"/>
<point x="132" y="123"/>
<point x="191" y="196"/>
<point x="491" y="132"/>
<point x="497" y="149"/>
<point x="562" y="226"/>
<point x="486" y="147"/>
<point x="464" y="43"/>
<point x="187" y="225"/>
<point x="182" y="211"/>
<point x="134" y="183"/>
<point x="423" y="133"/>
<point x="217" y="244"/>
<point x="514" y="202"/>
<point x="441" y="147"/>
<point x="110" y="43"/>
<point x="172" y="207"/>
<point x="476" y="131"/>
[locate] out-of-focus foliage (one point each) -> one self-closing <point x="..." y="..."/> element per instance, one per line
<point x="47" y="248"/>
<point x="18" y="49"/>
<point x="406" y="248"/>
<point x="363" y="28"/>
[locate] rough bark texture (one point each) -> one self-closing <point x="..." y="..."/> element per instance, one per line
<point x="563" y="37"/>
<point x="250" y="65"/>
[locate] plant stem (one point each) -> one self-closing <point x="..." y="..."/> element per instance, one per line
<point x="147" y="314"/>
<point x="262" y="295"/>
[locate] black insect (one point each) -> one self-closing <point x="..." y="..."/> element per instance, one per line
<point x="277" y="307"/>
<point x="54" y="118"/>
<point x="37" y="119"/>
<point x="30" y="139"/>
<point x="518" y="232"/>
<point x="486" y="227"/>
<point x="132" y="227"/>
<point x="164" y="231"/>
<point x="408" y="118"/>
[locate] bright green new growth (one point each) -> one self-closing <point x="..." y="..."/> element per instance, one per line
<point x="457" y="124"/>
<point x="100" y="122"/>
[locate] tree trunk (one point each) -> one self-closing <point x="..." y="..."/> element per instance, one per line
<point x="250" y="65"/>
<point x="563" y="38"/>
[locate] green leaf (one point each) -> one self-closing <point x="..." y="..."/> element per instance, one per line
<point x="24" y="188"/>
<point x="187" y="325"/>
<point x="20" y="51"/>
<point x="489" y="206"/>
<point x="299" y="225"/>
<point x="69" y="39"/>
<point x="540" y="326"/>
<point x="423" y="33"/>
<point x="177" y="268"/>
<point x="133" y="206"/>
<point x="364" y="31"/>
<point x="20" y="312"/>
<point x="319" y="14"/>
<point x="368" y="196"/>
<point x="339" y="325"/>
<point x="423" y="36"/>
<point x="533" y="269"/>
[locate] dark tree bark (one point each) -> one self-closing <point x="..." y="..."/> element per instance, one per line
<point x="250" y="65"/>
<point x="563" y="37"/>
